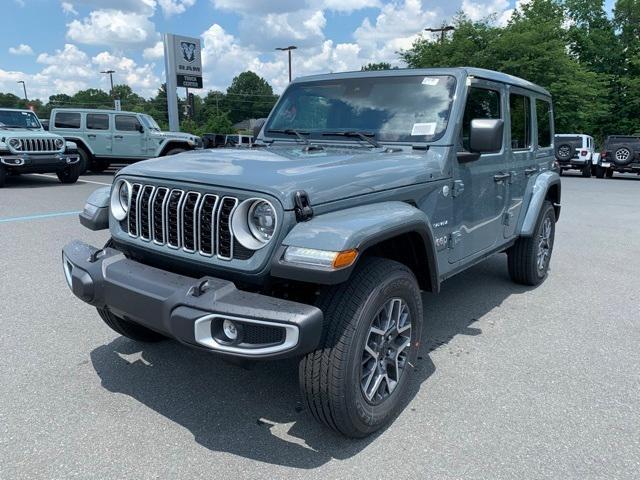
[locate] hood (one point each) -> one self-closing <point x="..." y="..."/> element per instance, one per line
<point x="180" y="135"/>
<point x="327" y="175"/>
<point x="22" y="133"/>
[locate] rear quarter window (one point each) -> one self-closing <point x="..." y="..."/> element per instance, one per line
<point x="544" y="117"/>
<point x="67" y="120"/>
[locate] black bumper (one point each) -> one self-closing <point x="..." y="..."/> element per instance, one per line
<point x="175" y="306"/>
<point x="38" y="163"/>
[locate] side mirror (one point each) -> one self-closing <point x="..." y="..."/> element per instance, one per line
<point x="140" y="128"/>
<point x="486" y="135"/>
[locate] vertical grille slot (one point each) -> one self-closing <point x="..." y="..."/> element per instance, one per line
<point x="133" y="210"/>
<point x="189" y="220"/>
<point x="145" y="212"/>
<point x="157" y="215"/>
<point x="173" y="218"/>
<point x="225" y="238"/>
<point x="207" y="229"/>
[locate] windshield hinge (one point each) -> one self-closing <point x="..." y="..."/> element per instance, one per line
<point x="303" y="209"/>
<point x="458" y="188"/>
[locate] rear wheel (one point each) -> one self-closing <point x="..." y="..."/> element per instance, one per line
<point x="357" y="379"/>
<point x="586" y="170"/>
<point x="600" y="171"/>
<point x="529" y="258"/>
<point x="3" y="176"/>
<point x="69" y="174"/>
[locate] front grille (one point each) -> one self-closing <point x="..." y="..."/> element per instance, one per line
<point x="40" y="145"/>
<point x="187" y="220"/>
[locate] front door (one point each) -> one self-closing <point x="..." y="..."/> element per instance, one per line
<point x="481" y="186"/>
<point x="99" y="135"/>
<point x="128" y="138"/>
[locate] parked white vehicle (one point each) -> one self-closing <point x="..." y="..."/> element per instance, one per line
<point x="575" y="151"/>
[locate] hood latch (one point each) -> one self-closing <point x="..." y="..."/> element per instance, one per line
<point x="303" y="209"/>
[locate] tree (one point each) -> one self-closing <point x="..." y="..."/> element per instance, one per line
<point x="248" y="96"/>
<point x="376" y="66"/>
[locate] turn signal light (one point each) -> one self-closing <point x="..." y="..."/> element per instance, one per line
<point x="345" y="258"/>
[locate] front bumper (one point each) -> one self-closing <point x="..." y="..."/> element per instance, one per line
<point x="179" y="307"/>
<point x="38" y="162"/>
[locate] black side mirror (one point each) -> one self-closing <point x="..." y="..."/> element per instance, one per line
<point x="140" y="128"/>
<point x="486" y="135"/>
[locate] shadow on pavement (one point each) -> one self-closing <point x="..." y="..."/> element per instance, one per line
<point x="257" y="413"/>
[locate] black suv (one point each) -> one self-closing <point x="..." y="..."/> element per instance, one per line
<point x="620" y="154"/>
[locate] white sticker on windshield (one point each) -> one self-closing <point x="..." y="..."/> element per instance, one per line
<point x="423" y="129"/>
<point x="430" y="81"/>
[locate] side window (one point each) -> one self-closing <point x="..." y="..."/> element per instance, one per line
<point x="543" y="113"/>
<point x="520" y="107"/>
<point x="67" y="120"/>
<point x="127" y="123"/>
<point x="97" y="121"/>
<point x="481" y="103"/>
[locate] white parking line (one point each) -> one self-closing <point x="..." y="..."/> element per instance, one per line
<point x="84" y="181"/>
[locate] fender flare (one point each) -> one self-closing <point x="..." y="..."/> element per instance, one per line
<point x="536" y="194"/>
<point x="173" y="143"/>
<point x="95" y="215"/>
<point x="360" y="228"/>
<point x="80" y="143"/>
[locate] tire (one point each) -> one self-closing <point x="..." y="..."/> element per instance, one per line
<point x="564" y="151"/>
<point x="586" y="170"/>
<point x="128" y="329"/>
<point x="560" y="172"/>
<point x="99" y="165"/>
<point x="3" y="176"/>
<point x="600" y="171"/>
<point x="609" y="173"/>
<point x="525" y="264"/>
<point x="331" y="378"/>
<point x="623" y="155"/>
<point x="69" y="174"/>
<point x="85" y="159"/>
<point x="174" y="151"/>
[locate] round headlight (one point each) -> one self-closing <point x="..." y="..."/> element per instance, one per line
<point x="262" y="220"/>
<point x="59" y="143"/>
<point x="254" y="223"/>
<point x="120" y="199"/>
<point x="15" y="143"/>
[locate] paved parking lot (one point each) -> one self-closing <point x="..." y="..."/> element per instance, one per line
<point x="512" y="382"/>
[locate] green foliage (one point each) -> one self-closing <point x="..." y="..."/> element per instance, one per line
<point x="572" y="48"/>
<point x="376" y="66"/>
<point x="248" y="96"/>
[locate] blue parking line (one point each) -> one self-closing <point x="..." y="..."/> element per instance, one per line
<point x="37" y="217"/>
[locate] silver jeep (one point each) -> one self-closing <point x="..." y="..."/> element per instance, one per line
<point x="363" y="189"/>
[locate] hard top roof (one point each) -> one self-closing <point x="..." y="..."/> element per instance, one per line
<point x="465" y="71"/>
<point x="94" y="110"/>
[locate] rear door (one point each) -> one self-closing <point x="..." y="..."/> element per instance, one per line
<point x="98" y="134"/>
<point x="481" y="186"/>
<point x="128" y="140"/>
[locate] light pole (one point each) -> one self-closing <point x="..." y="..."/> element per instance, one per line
<point x="110" y="73"/>
<point x="288" y="49"/>
<point x="442" y="30"/>
<point x="24" y="87"/>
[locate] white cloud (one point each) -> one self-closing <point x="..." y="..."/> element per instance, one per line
<point x="143" y="7"/>
<point x="21" y="49"/>
<point x="347" y="5"/>
<point x="175" y="7"/>
<point x="303" y="28"/>
<point x="113" y="28"/>
<point x="68" y="8"/>
<point x="141" y="79"/>
<point x="152" y="53"/>
<point x="261" y="7"/>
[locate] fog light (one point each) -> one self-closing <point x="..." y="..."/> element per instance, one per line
<point x="68" y="268"/>
<point x="230" y="330"/>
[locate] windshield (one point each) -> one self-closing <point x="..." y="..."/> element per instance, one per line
<point x="18" y="119"/>
<point x="392" y="109"/>
<point x="150" y="123"/>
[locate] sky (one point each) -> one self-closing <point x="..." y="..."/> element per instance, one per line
<point x="61" y="46"/>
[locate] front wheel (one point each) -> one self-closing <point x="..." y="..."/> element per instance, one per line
<point x="586" y="170"/>
<point x="3" y="176"/>
<point x="529" y="258"/>
<point x="174" y="151"/>
<point x="99" y="165"/>
<point x="128" y="329"/>
<point x="355" y="382"/>
<point x="69" y="174"/>
<point x="610" y="173"/>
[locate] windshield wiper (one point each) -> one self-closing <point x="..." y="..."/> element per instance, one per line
<point x="366" y="136"/>
<point x="300" y="135"/>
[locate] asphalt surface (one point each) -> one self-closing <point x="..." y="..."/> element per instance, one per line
<point x="512" y="383"/>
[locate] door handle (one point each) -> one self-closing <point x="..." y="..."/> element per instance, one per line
<point x="118" y="136"/>
<point x="530" y="171"/>
<point x="91" y="135"/>
<point x="501" y="176"/>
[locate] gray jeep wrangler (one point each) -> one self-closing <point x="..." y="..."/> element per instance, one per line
<point x="368" y="188"/>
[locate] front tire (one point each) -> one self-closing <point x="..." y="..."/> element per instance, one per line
<point x="128" y="329"/>
<point x="69" y="174"/>
<point x="356" y="381"/>
<point x="610" y="173"/>
<point x="529" y="258"/>
<point x="3" y="176"/>
<point x="99" y="165"/>
<point x="85" y="159"/>
<point x="174" y="151"/>
<point x="586" y="171"/>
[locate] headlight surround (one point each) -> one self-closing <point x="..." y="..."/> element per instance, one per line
<point x="120" y="199"/>
<point x="15" y="143"/>
<point x="254" y="223"/>
<point x="59" y="143"/>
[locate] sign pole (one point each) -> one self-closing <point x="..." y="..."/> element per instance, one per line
<point x="172" y="87"/>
